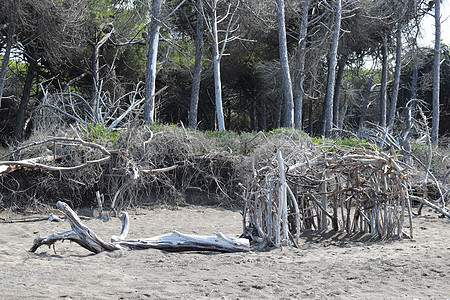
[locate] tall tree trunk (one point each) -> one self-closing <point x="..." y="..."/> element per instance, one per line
<point x="6" y="56"/>
<point x="286" y="77"/>
<point x="337" y="90"/>
<point x="95" y="79"/>
<point x="298" y="96"/>
<point x="362" y="118"/>
<point x="397" y="73"/>
<point x="216" y="64"/>
<point x="96" y="73"/>
<point x="150" y="72"/>
<point x="384" y="72"/>
<point x="193" y="109"/>
<point x="328" y="105"/>
<point x="436" y="72"/>
<point x="20" y="120"/>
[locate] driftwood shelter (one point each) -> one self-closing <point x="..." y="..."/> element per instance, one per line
<point x="365" y="192"/>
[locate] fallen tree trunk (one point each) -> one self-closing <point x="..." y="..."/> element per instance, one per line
<point x="174" y="241"/>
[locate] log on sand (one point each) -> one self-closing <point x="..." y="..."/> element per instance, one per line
<point x="173" y="241"/>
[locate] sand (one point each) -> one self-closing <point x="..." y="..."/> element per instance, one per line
<point x="331" y="266"/>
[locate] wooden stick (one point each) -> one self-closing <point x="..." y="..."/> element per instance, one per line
<point x="428" y="203"/>
<point x="6" y="166"/>
<point x="283" y="200"/>
<point x="162" y="170"/>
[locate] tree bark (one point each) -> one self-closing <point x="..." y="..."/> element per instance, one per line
<point x="436" y="72"/>
<point x="20" y="120"/>
<point x="397" y="73"/>
<point x="328" y="105"/>
<point x="337" y="90"/>
<point x="216" y="63"/>
<point x="193" y="109"/>
<point x="6" y="56"/>
<point x="298" y="97"/>
<point x="384" y="71"/>
<point x="286" y="77"/>
<point x="152" y="55"/>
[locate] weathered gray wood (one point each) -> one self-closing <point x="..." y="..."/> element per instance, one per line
<point x="299" y="95"/>
<point x="328" y="106"/>
<point x="174" y="241"/>
<point x="384" y="75"/>
<point x="436" y="72"/>
<point x="397" y="73"/>
<point x="216" y="63"/>
<point x="152" y="54"/>
<point x="79" y="234"/>
<point x="284" y="61"/>
<point x="193" y="108"/>
<point x="434" y="206"/>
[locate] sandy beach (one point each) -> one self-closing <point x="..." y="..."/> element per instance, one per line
<point x="327" y="266"/>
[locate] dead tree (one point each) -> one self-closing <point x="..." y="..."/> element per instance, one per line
<point x="436" y="72"/>
<point x="328" y="105"/>
<point x="193" y="108"/>
<point x="152" y="54"/>
<point x="174" y="241"/>
<point x="286" y="77"/>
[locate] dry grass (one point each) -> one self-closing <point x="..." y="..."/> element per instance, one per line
<point x="211" y="168"/>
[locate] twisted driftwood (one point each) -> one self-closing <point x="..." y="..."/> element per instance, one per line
<point x="174" y="241"/>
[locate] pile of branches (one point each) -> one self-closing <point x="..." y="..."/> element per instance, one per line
<point x="143" y="166"/>
<point x="364" y="192"/>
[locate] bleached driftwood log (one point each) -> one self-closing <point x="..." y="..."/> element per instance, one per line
<point x="174" y="241"/>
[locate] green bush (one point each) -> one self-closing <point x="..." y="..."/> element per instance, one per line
<point x="98" y="133"/>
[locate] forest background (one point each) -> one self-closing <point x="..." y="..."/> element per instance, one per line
<point x="352" y="68"/>
<point x="222" y="63"/>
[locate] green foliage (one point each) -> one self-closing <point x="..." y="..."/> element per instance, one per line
<point x="16" y="65"/>
<point x="98" y="133"/>
<point x="230" y="141"/>
<point x="161" y="127"/>
<point x="100" y="11"/>
<point x="418" y="146"/>
<point x="330" y="145"/>
<point x="291" y="132"/>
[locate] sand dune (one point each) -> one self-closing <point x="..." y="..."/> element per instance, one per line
<point x="332" y="265"/>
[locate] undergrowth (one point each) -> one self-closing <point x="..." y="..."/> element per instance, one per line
<point x="210" y="167"/>
<point x="99" y="133"/>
